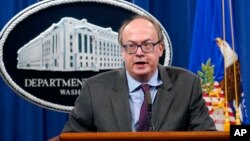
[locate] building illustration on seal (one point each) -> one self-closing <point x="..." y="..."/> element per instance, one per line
<point x="72" y="45"/>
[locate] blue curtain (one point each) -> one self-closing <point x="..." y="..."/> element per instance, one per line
<point x="242" y="22"/>
<point x="22" y="120"/>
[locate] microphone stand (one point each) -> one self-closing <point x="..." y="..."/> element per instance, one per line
<point x="150" y="105"/>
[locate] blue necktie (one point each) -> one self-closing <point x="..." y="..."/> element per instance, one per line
<point x="143" y="123"/>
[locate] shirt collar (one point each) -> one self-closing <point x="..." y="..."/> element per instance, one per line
<point x="134" y="84"/>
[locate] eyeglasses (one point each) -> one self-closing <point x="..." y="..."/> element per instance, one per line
<point x="146" y="47"/>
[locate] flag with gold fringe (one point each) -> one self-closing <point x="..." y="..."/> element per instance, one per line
<point x="214" y="58"/>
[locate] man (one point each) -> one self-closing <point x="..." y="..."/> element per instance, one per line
<point x="112" y="101"/>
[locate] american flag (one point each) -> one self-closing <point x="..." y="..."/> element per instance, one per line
<point x="215" y="101"/>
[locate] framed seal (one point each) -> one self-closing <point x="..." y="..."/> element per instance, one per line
<point x="49" y="48"/>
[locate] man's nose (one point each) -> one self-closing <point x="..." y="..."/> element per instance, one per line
<point x="139" y="50"/>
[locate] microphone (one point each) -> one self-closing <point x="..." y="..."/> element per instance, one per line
<point x="150" y="105"/>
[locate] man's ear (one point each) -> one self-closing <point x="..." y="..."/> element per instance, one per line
<point x="123" y="54"/>
<point x="161" y="48"/>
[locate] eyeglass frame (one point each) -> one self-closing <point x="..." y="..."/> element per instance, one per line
<point x="151" y="49"/>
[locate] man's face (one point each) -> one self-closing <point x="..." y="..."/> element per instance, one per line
<point x="141" y="65"/>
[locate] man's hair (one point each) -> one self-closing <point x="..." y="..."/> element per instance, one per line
<point x="153" y="21"/>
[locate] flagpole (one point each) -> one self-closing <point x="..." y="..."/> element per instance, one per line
<point x="226" y="123"/>
<point x="237" y="116"/>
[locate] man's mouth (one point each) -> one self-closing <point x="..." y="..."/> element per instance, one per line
<point x="140" y="63"/>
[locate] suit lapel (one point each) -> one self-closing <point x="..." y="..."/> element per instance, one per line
<point x="120" y="102"/>
<point x="163" y="99"/>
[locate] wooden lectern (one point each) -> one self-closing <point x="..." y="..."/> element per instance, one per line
<point x="147" y="136"/>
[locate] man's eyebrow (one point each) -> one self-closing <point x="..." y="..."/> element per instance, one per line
<point x="134" y="42"/>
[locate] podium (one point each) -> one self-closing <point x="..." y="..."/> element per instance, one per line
<point x="147" y="136"/>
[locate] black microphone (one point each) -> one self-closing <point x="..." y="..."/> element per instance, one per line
<point x="150" y="105"/>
